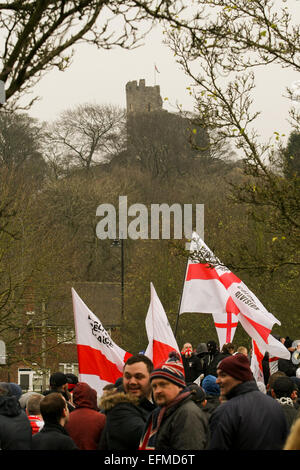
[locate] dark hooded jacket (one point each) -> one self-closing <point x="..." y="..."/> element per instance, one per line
<point x="192" y="367"/>
<point x="126" y="417"/>
<point x="85" y="423"/>
<point x="15" y="429"/>
<point x="248" y="420"/>
<point x="211" y="368"/>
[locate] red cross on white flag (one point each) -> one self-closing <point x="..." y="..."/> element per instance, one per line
<point x="217" y="290"/>
<point x="226" y="326"/>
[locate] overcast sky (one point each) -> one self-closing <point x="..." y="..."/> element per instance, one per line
<point x="100" y="76"/>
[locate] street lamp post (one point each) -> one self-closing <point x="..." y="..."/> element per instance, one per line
<point x="44" y="376"/>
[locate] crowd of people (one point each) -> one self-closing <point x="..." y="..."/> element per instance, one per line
<point x="203" y="399"/>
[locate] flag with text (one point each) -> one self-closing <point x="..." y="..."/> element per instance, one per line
<point x="100" y="360"/>
<point x="211" y="287"/>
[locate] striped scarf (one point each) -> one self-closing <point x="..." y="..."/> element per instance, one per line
<point x="148" y="440"/>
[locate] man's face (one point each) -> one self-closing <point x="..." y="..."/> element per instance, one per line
<point x="226" y="382"/>
<point x="164" y="391"/>
<point x="136" y="380"/>
<point x="187" y="349"/>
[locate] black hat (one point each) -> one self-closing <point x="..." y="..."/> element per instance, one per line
<point x="288" y="342"/>
<point x="119" y="384"/>
<point x="72" y="380"/>
<point x="58" y="379"/>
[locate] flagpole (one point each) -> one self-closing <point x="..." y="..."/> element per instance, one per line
<point x="177" y="319"/>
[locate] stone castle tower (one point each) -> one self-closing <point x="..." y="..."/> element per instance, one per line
<point x="141" y="98"/>
<point x="151" y="126"/>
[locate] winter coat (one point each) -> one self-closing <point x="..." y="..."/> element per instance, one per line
<point x="248" y="420"/>
<point x="183" y="426"/>
<point x="212" y="365"/>
<point x="192" y="367"/>
<point x="85" y="423"/>
<point x="15" y="429"/>
<point x="53" y="437"/>
<point x="126" y="417"/>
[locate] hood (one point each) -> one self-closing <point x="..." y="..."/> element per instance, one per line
<point x="84" y="396"/>
<point x="210" y="386"/>
<point x="108" y="402"/>
<point x="9" y="406"/>
<point x="202" y="348"/>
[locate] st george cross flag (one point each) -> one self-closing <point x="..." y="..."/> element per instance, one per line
<point x="160" y="335"/>
<point x="226" y="326"/>
<point x="217" y="290"/>
<point x="100" y="360"/>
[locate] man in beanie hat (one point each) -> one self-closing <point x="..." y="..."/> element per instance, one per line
<point x="177" y="423"/>
<point x="212" y="392"/>
<point x="248" y="419"/>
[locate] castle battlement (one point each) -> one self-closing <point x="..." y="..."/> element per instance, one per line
<point x="141" y="98"/>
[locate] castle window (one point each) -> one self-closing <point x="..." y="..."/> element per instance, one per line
<point x="149" y="106"/>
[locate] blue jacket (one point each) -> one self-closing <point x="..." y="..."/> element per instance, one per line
<point x="249" y="420"/>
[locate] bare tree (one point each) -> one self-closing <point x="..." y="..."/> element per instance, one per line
<point x="37" y="36"/>
<point x="86" y="134"/>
